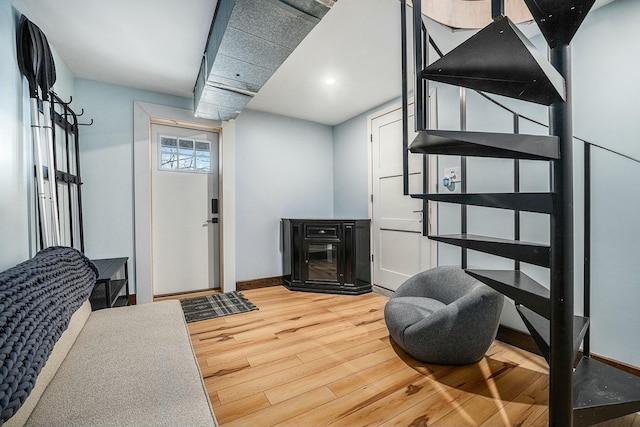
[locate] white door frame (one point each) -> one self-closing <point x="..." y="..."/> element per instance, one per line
<point x="142" y="116"/>
<point x="433" y="177"/>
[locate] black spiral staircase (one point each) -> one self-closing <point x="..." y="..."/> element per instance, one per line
<point x="499" y="59"/>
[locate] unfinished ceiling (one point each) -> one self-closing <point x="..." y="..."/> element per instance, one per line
<point x="158" y="46"/>
<point x="247" y="43"/>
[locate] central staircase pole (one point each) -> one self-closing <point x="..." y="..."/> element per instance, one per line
<point x="562" y="269"/>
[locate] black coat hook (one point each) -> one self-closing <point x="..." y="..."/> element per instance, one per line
<point x="59" y="100"/>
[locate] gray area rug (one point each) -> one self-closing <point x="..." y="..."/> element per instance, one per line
<point x="212" y="306"/>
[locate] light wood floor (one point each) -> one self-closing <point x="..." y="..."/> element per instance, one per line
<point x="307" y="359"/>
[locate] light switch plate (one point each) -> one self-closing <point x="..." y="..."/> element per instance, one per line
<point x="454" y="173"/>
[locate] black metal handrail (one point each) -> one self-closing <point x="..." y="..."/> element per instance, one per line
<point x="626" y="156"/>
<point x="522" y="116"/>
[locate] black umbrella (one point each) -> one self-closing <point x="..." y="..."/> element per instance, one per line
<point x="29" y="53"/>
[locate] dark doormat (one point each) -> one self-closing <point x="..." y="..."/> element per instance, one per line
<point x="212" y="306"/>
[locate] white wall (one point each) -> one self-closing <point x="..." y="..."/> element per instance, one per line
<point x="615" y="275"/>
<point x="106" y="150"/>
<point x="606" y="90"/>
<point x="15" y="141"/>
<point x="350" y="165"/>
<point x="284" y="169"/>
<point x="606" y="85"/>
<point x="350" y="179"/>
<point x="14" y="229"/>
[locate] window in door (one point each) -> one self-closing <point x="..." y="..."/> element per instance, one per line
<point x="186" y="155"/>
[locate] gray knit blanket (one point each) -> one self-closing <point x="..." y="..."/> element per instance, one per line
<point x="37" y="300"/>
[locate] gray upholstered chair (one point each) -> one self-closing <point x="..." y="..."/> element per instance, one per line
<point x="444" y="316"/>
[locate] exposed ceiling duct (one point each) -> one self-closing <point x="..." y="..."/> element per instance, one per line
<point x="248" y="41"/>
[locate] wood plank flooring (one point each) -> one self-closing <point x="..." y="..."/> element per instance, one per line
<point x="308" y="359"/>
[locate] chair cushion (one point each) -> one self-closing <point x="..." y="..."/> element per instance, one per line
<point x="408" y="311"/>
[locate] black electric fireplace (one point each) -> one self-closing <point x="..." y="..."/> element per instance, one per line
<point x="331" y="256"/>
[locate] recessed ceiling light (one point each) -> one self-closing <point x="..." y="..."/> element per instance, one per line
<point x="330" y="81"/>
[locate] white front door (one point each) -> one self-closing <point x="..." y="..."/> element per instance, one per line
<point x="184" y="212"/>
<point x="399" y="247"/>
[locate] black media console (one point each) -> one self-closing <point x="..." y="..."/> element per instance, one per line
<point x="331" y="256"/>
